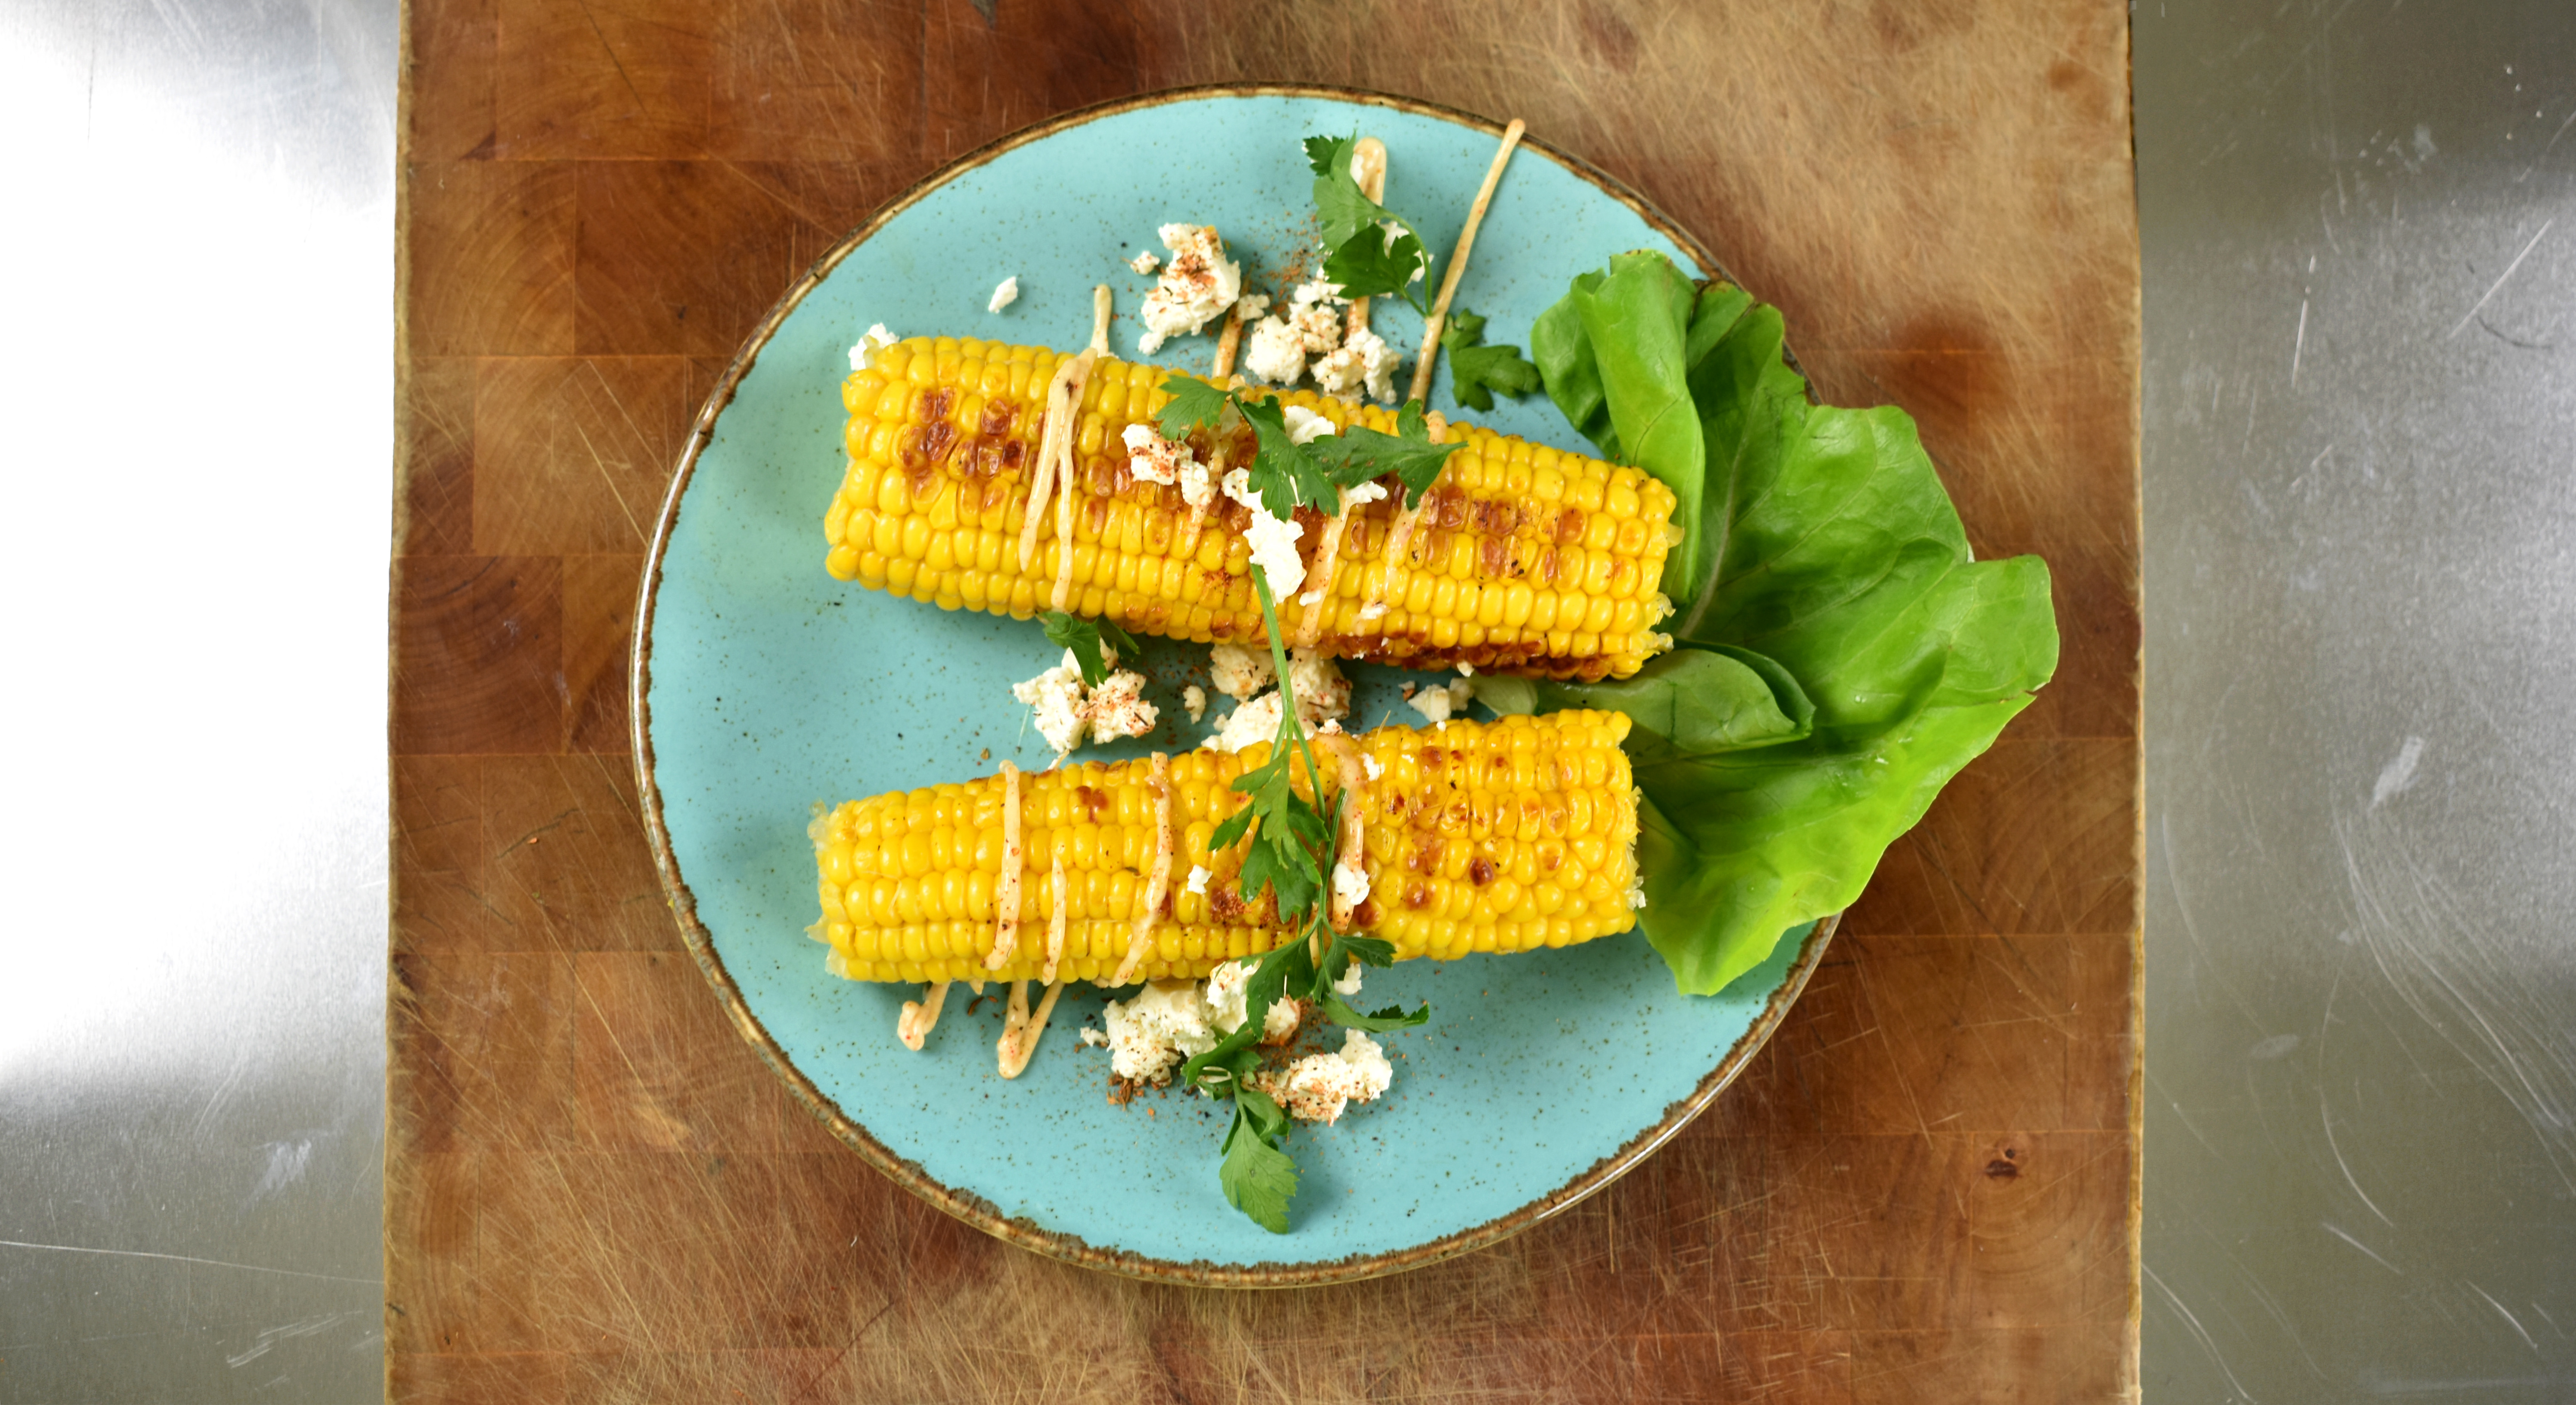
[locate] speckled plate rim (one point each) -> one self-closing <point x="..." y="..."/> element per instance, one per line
<point x="965" y="1205"/>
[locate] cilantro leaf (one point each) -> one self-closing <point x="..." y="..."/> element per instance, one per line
<point x="1342" y="209"/>
<point x="1085" y="638"/>
<point x="1376" y="262"/>
<point x="1477" y="370"/>
<point x="1392" y="1017"/>
<point x="1194" y="404"/>
<point x="1359" y="453"/>
<point x="1258" y="1177"/>
<point x="1284" y="473"/>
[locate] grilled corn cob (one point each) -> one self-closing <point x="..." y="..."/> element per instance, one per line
<point x="1498" y="836"/>
<point x="1520" y="559"/>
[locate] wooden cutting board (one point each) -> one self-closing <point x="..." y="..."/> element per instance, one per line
<point x="1924" y="1188"/>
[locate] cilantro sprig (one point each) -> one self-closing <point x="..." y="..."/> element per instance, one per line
<point x="1093" y="642"/>
<point x="1292" y="854"/>
<point x="1370" y="250"/>
<point x="1476" y="370"/>
<point x="1287" y="475"/>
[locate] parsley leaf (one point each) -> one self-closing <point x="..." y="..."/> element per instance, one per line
<point x="1392" y="1017"/>
<point x="1359" y="453"/>
<point x="1378" y="261"/>
<point x="1284" y="474"/>
<point x="1086" y="638"/>
<point x="1371" y="251"/>
<point x="1477" y="370"/>
<point x="1194" y="404"/>
<point x="1258" y="1177"/>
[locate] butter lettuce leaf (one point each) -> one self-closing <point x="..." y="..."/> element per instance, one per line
<point x="1825" y="563"/>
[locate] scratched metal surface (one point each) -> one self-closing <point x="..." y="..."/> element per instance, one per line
<point x="199" y="320"/>
<point x="2360" y="266"/>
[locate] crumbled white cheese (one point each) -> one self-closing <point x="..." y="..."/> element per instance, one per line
<point x="1240" y="672"/>
<point x="1057" y="695"/>
<point x="1117" y="708"/>
<point x="1438" y="704"/>
<point x="1250" y="306"/>
<point x="1323" y="694"/>
<point x="1198" y="489"/>
<point x="1198" y="882"/>
<point x="1067" y="712"/>
<point x="1304" y="425"/>
<point x="1194" y="699"/>
<point x="1348" y="984"/>
<point x="1316" y="292"/>
<point x="1363" y="364"/>
<point x="1099" y="1039"/>
<point x="1317" y="1088"/>
<point x="1350" y="883"/>
<point x="1197" y="286"/>
<point x="1466" y="669"/>
<point x="1275" y="354"/>
<point x="1251" y="724"/>
<point x="1274" y="550"/>
<point x="876" y="340"/>
<point x="1154" y="1030"/>
<point x="1146" y="261"/>
<point x="1229" y="1006"/>
<point x="1372" y="765"/>
<point x="1153" y="458"/>
<point x="1005" y="293"/>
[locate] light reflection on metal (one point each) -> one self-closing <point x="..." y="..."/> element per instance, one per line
<point x="199" y="353"/>
<point x="2361" y="638"/>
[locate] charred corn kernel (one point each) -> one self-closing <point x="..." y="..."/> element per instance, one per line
<point x="1518" y="551"/>
<point x="1497" y="836"/>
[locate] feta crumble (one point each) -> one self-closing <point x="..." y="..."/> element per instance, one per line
<point x="1323" y="694"/>
<point x="1151" y="458"/>
<point x="1274" y="550"/>
<point x="1372" y="765"/>
<point x="1198" y="881"/>
<point x="1350" y="885"/>
<point x="1304" y="425"/>
<point x="1005" y="293"/>
<point x="1067" y="712"/>
<point x="876" y="340"/>
<point x="1154" y="1030"/>
<point x="1198" y="286"/>
<point x="1348" y="984"/>
<point x="1362" y="364"/>
<point x="1198" y="489"/>
<point x="1251" y="724"/>
<point x="1145" y="262"/>
<point x="1250" y="306"/>
<point x="1240" y="672"/>
<point x="1194" y="700"/>
<point x="1229" y="1004"/>
<point x="1438" y="704"/>
<point x="1318" y="1087"/>
<point x="1275" y="354"/>
<point x="1362" y="494"/>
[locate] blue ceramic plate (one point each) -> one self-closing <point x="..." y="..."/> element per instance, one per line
<point x="763" y="686"/>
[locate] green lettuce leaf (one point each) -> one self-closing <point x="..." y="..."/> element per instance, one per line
<point x="1822" y="558"/>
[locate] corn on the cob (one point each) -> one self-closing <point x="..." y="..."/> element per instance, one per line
<point x="1520" y="559"/>
<point x="1498" y="836"/>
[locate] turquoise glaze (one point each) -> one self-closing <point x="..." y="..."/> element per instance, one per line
<point x="773" y="687"/>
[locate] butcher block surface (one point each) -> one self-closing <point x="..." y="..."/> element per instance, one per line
<point x="1922" y="1189"/>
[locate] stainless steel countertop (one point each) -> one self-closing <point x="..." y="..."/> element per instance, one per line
<point x="2359" y="222"/>
<point x="199" y="319"/>
<point x="2359" y="241"/>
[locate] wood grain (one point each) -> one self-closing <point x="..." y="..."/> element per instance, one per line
<point x="1922" y="1189"/>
